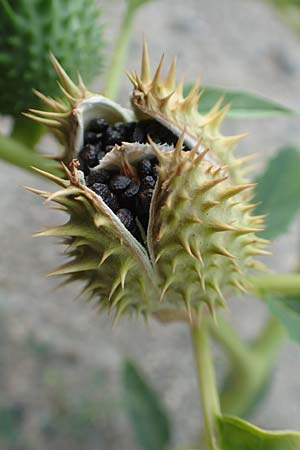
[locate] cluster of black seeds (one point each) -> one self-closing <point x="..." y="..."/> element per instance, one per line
<point x="128" y="197"/>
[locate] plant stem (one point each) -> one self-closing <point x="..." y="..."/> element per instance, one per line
<point x="288" y="284"/>
<point x="18" y="154"/>
<point x="27" y="131"/>
<point x="207" y="382"/>
<point x="116" y="66"/>
<point x="252" y="364"/>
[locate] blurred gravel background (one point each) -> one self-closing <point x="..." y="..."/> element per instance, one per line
<point x="59" y="361"/>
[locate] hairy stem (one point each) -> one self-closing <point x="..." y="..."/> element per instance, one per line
<point x="207" y="382"/>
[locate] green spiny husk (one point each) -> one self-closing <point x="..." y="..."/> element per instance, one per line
<point x="201" y="235"/>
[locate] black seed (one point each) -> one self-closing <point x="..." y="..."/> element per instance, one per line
<point x="98" y="125"/>
<point x="116" y="134"/>
<point x="90" y="137"/>
<point x="88" y="157"/>
<point x="119" y="183"/>
<point x="148" y="182"/>
<point x="101" y="176"/>
<point x="113" y="137"/>
<point x="107" y="196"/>
<point x="131" y="190"/>
<point x="125" y="216"/>
<point x="144" y="167"/>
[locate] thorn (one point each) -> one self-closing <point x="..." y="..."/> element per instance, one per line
<point x="179" y="88"/>
<point x="245" y="159"/>
<point x="207" y="185"/>
<point x="43" y="194"/>
<point x="155" y="148"/>
<point x="216" y="106"/>
<point x="210" y="204"/>
<point x="249" y="207"/>
<point x="70" y="97"/>
<point x="159" y="255"/>
<point x="120" y="309"/>
<point x="179" y="144"/>
<point x="81" y="83"/>
<point x="220" y="250"/>
<point x="257" y="251"/>
<point x="234" y="190"/>
<point x="156" y="79"/>
<point x="258" y="265"/>
<point x="66" y="81"/>
<point x="132" y="78"/>
<point x="174" y="264"/>
<point x="186" y="246"/>
<point x="247" y="230"/>
<point x="230" y="142"/>
<point x="145" y="69"/>
<point x="166" y="287"/>
<point x="239" y="286"/>
<point x="186" y="298"/>
<point x="165" y="100"/>
<point x="219" y="292"/>
<point x="189" y="100"/>
<point x="170" y="80"/>
<point x="201" y="156"/>
<point x="219" y="227"/>
<point x="115" y="285"/>
<point x="42" y="120"/>
<point x="60" y="181"/>
<point x="106" y="254"/>
<point x="50" y="114"/>
<point x="197" y="253"/>
<point x="193" y="220"/>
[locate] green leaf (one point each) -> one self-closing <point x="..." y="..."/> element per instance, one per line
<point x="244" y="105"/>
<point x="148" y="416"/>
<point x="236" y="434"/>
<point x="14" y="152"/>
<point x="287" y="311"/>
<point x="278" y="190"/>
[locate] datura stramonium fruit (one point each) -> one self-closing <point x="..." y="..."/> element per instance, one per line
<point x="160" y="213"/>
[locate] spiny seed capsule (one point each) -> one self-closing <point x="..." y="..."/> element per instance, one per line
<point x="191" y="237"/>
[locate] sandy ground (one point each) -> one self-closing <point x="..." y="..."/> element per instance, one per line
<point x="60" y="362"/>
